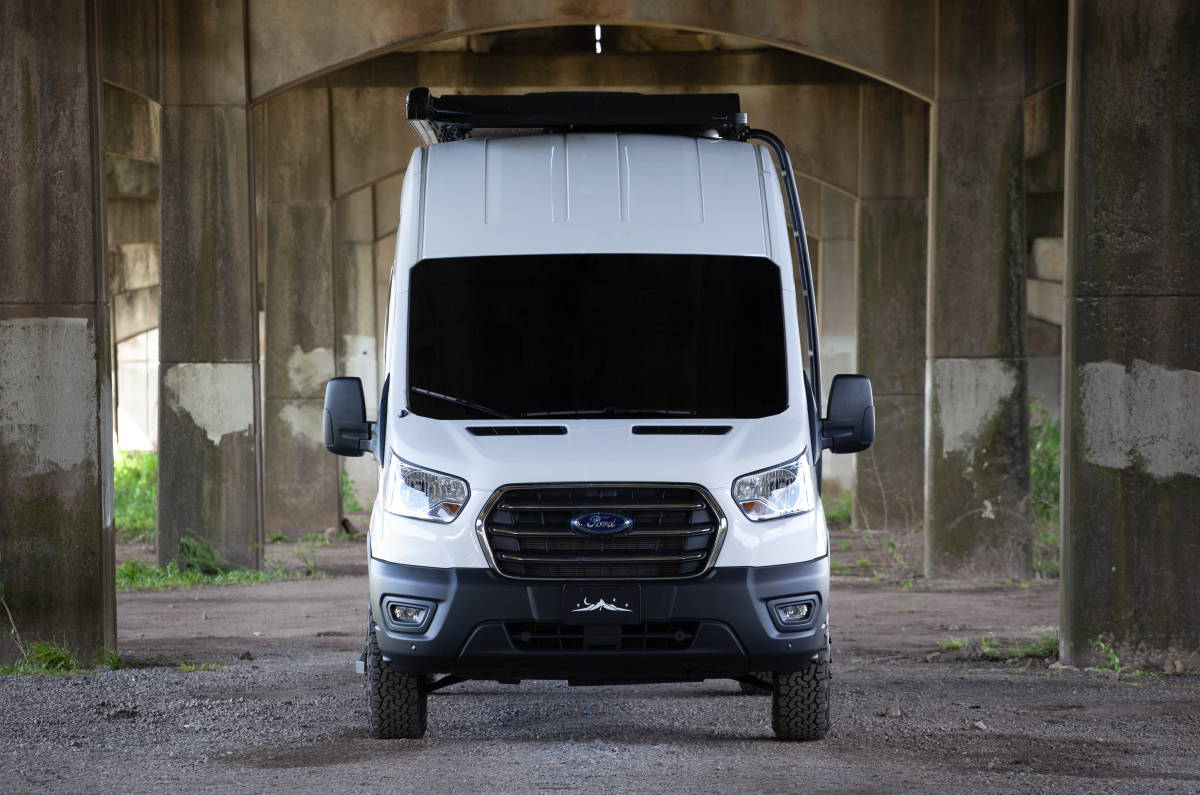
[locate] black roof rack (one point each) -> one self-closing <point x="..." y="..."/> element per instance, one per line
<point x="453" y="117"/>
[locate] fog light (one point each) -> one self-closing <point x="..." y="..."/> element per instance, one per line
<point x="409" y="615"/>
<point x="406" y="614"/>
<point x="794" y="612"/>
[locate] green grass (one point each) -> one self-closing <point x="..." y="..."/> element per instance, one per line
<point x="276" y="537"/>
<point x="1045" y="455"/>
<point x="845" y="545"/>
<point x="135" y="495"/>
<point x="839" y="509"/>
<point x="198" y="565"/>
<point x="315" y="539"/>
<point x="1039" y="648"/>
<point x="133" y="575"/>
<point x="188" y="668"/>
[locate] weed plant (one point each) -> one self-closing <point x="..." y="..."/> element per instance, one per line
<point x="1045" y="454"/>
<point x="350" y="502"/>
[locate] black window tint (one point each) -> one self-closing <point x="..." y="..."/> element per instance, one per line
<point x="603" y="335"/>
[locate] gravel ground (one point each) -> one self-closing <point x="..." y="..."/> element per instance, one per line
<point x="294" y="716"/>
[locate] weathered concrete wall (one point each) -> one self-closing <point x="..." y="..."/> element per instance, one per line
<point x="301" y="479"/>
<point x="1131" y="486"/>
<point x="829" y="215"/>
<point x="129" y="45"/>
<point x="892" y="262"/>
<point x="56" y="538"/>
<point x="978" y="518"/>
<point x="358" y="343"/>
<point x="291" y="41"/>
<point x="208" y="462"/>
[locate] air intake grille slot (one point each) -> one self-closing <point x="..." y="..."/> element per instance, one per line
<point x="674" y="534"/>
<point x="682" y="430"/>
<point x="651" y="636"/>
<point x="517" y="430"/>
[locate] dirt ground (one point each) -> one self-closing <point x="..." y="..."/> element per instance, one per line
<point x="286" y="711"/>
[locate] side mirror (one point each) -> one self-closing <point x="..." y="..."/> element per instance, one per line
<point x="850" y="426"/>
<point x="347" y="431"/>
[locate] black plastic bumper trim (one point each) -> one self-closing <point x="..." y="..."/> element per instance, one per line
<point x="467" y="636"/>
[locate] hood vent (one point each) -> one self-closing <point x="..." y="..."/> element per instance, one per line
<point x="682" y="430"/>
<point x="517" y="430"/>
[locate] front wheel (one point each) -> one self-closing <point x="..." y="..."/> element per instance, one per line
<point x="800" y="701"/>
<point x="395" y="701"/>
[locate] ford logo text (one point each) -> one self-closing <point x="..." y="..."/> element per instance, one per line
<point x="602" y="523"/>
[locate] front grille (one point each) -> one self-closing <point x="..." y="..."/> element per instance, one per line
<point x="651" y="636"/>
<point x="675" y="532"/>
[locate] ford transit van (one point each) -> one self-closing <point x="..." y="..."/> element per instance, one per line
<point x="601" y="426"/>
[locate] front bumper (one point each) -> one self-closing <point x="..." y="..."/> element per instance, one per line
<point x="473" y="630"/>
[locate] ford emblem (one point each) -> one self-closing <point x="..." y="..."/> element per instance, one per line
<point x="602" y="523"/>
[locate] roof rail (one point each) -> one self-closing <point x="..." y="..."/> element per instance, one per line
<point x="453" y="117"/>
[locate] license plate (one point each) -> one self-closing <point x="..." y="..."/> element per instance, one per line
<point x="601" y="604"/>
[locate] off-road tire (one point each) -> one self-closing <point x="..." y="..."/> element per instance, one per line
<point x="395" y="701"/>
<point x="800" y="701"/>
<point x="764" y="689"/>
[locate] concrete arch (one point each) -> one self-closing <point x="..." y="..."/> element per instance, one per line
<point x="290" y="41"/>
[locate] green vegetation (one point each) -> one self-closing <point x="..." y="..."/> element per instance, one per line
<point x="1039" y="648"/>
<point x="198" y="565"/>
<point x="1104" y="645"/>
<point x="135" y="495"/>
<point x="42" y="657"/>
<point x="314" y="539"/>
<point x="133" y="575"/>
<point x="187" y="668"/>
<point x="845" y="545"/>
<point x="839" y="509"/>
<point x="1045" y="454"/>
<point x="985" y="646"/>
<point x="349" y="500"/>
<point x="276" y="537"/>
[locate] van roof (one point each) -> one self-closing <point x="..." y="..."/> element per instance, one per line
<point x="597" y="193"/>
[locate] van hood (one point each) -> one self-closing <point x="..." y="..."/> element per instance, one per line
<point x="598" y="450"/>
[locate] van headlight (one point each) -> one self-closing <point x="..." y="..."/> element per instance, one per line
<point x="422" y="493"/>
<point x="782" y="490"/>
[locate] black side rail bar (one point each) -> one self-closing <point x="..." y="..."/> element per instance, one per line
<point x="792" y="192"/>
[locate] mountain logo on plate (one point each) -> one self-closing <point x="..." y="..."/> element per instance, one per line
<point x="602" y="523"/>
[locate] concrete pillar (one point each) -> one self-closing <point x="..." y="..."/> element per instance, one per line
<point x="301" y="479"/>
<point x="1131" y="409"/>
<point x="56" y="540"/>
<point x="977" y="510"/>
<point x="830" y="213"/>
<point x="891" y="260"/>
<point x="208" y="410"/>
<point x="357" y="343"/>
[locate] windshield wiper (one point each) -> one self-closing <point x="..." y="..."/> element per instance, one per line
<point x="610" y="411"/>
<point x="469" y="404"/>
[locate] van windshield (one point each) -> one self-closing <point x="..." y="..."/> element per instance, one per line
<point x="595" y="336"/>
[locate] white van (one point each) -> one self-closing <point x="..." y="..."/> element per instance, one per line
<point x="599" y="435"/>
